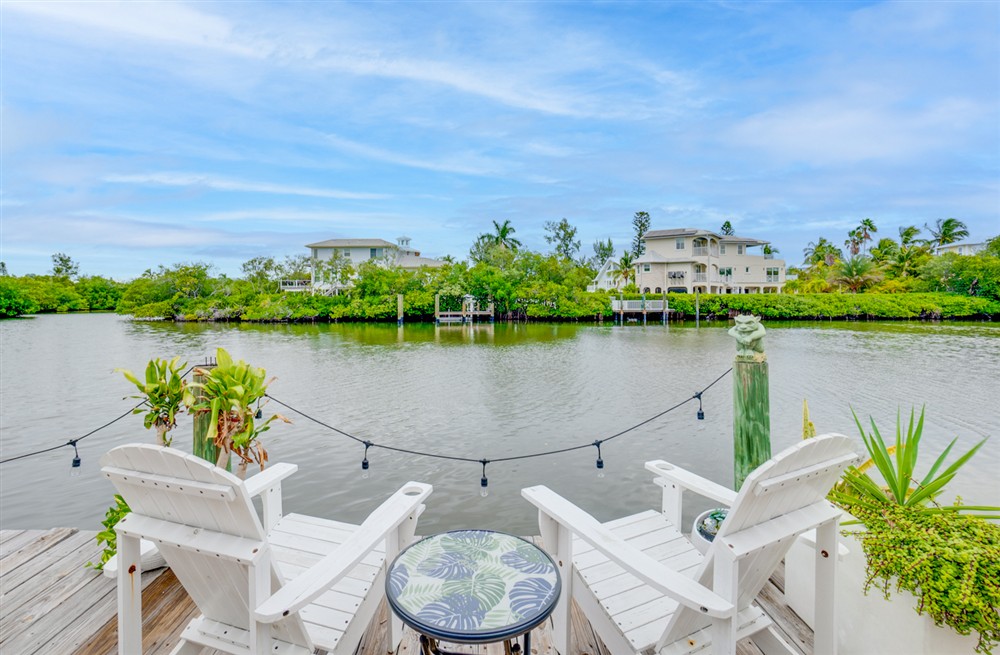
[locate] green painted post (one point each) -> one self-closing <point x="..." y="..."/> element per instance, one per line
<point x="203" y="446"/>
<point x="751" y="399"/>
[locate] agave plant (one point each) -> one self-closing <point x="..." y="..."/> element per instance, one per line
<point x="228" y="393"/>
<point x="897" y="464"/>
<point x="163" y="390"/>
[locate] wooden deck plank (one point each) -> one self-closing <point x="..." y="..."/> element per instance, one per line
<point x="41" y="565"/>
<point x="62" y="607"/>
<point x="11" y="549"/>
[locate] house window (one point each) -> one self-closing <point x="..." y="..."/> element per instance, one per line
<point x="645" y="290"/>
<point x="722" y="249"/>
<point x="373" y="253"/>
<point x="645" y="268"/>
<point x="748" y="269"/>
<point x="346" y="252"/>
<point x="659" y="290"/>
<point x="679" y="244"/>
<point x="739" y="249"/>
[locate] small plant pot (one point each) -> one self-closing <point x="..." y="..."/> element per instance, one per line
<point x="706" y="526"/>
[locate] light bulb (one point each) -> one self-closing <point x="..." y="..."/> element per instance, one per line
<point x="365" y="473"/>
<point x="484" y="489"/>
<point x="600" y="468"/>
<point x="74" y="472"/>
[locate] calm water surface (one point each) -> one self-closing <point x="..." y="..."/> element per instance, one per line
<point x="484" y="392"/>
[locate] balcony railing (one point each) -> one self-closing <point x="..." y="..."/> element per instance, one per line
<point x="637" y="305"/>
<point x="296" y="285"/>
<point x="772" y="278"/>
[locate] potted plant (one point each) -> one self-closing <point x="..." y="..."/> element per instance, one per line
<point x="229" y="392"/>
<point x="941" y="560"/>
<point x="162" y="389"/>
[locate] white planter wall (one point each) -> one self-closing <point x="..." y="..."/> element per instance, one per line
<point x="867" y="624"/>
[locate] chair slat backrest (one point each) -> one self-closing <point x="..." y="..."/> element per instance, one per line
<point x="798" y="477"/>
<point x="169" y="485"/>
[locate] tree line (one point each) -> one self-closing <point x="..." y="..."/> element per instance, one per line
<point x="521" y="283"/>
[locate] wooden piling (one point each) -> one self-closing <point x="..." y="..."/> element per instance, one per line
<point x="437" y="309"/>
<point x="751" y="399"/>
<point x="399" y="309"/>
<point x="202" y="446"/>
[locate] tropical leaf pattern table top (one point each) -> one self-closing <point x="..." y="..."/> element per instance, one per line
<point x="472" y="586"/>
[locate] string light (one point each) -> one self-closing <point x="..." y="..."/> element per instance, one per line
<point x="600" y="462"/>
<point x="484" y="484"/>
<point x="75" y="470"/>
<point x="365" y="467"/>
<point x="364" y="462"/>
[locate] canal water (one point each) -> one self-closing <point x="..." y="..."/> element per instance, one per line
<point x="485" y="391"/>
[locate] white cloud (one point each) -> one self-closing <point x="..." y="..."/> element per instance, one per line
<point x="226" y="184"/>
<point x="169" y="22"/>
<point x="836" y="130"/>
<point x="465" y="163"/>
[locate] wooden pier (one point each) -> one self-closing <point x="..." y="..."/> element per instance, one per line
<point x="50" y="603"/>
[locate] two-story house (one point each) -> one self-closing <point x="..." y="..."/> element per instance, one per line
<point x="685" y="260"/>
<point x="356" y="252"/>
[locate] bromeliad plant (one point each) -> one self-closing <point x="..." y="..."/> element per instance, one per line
<point x="228" y="393"/>
<point x="163" y="390"/>
<point x="948" y="556"/>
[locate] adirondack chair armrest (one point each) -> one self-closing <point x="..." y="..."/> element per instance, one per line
<point x="314" y="581"/>
<point x="662" y="578"/>
<point x="687" y="481"/>
<point x="261" y="482"/>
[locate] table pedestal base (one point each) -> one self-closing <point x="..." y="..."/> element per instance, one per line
<point x="429" y="646"/>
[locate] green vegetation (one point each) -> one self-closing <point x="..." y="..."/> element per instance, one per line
<point x="162" y="389"/>
<point x="227" y="392"/>
<point x="948" y="558"/>
<point x="108" y="536"/>
<point x="892" y="279"/>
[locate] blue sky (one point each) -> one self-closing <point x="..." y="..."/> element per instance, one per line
<point x="140" y="134"/>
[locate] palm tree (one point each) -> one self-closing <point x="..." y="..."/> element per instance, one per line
<point x="504" y="236"/>
<point x="822" y="251"/>
<point x="856" y="273"/>
<point x="908" y="235"/>
<point x="625" y="267"/>
<point x="885" y="250"/>
<point x="853" y="242"/>
<point x="947" y="230"/>
<point x="865" y="230"/>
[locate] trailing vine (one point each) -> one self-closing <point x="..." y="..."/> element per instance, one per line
<point x="949" y="561"/>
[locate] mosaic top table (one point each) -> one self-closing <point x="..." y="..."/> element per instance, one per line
<point x="473" y="587"/>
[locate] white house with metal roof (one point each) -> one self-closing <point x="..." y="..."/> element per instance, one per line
<point x="355" y="252"/>
<point x="685" y="260"/>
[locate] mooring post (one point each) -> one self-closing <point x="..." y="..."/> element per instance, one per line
<point x="751" y="399"/>
<point x="697" y="308"/>
<point x="399" y="309"/>
<point x="643" y="309"/>
<point x="664" y="316"/>
<point x="437" y="309"/>
<point x="202" y="446"/>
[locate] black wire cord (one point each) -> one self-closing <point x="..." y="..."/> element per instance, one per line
<point x="73" y="442"/>
<point x="370" y="444"/>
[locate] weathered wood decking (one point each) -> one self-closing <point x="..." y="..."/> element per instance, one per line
<point x="51" y="603"/>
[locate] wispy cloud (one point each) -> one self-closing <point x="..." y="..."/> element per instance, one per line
<point x="468" y="163"/>
<point x="158" y="22"/>
<point x="225" y="184"/>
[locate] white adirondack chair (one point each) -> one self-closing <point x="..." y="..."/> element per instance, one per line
<point x="292" y="584"/>
<point x="644" y="586"/>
